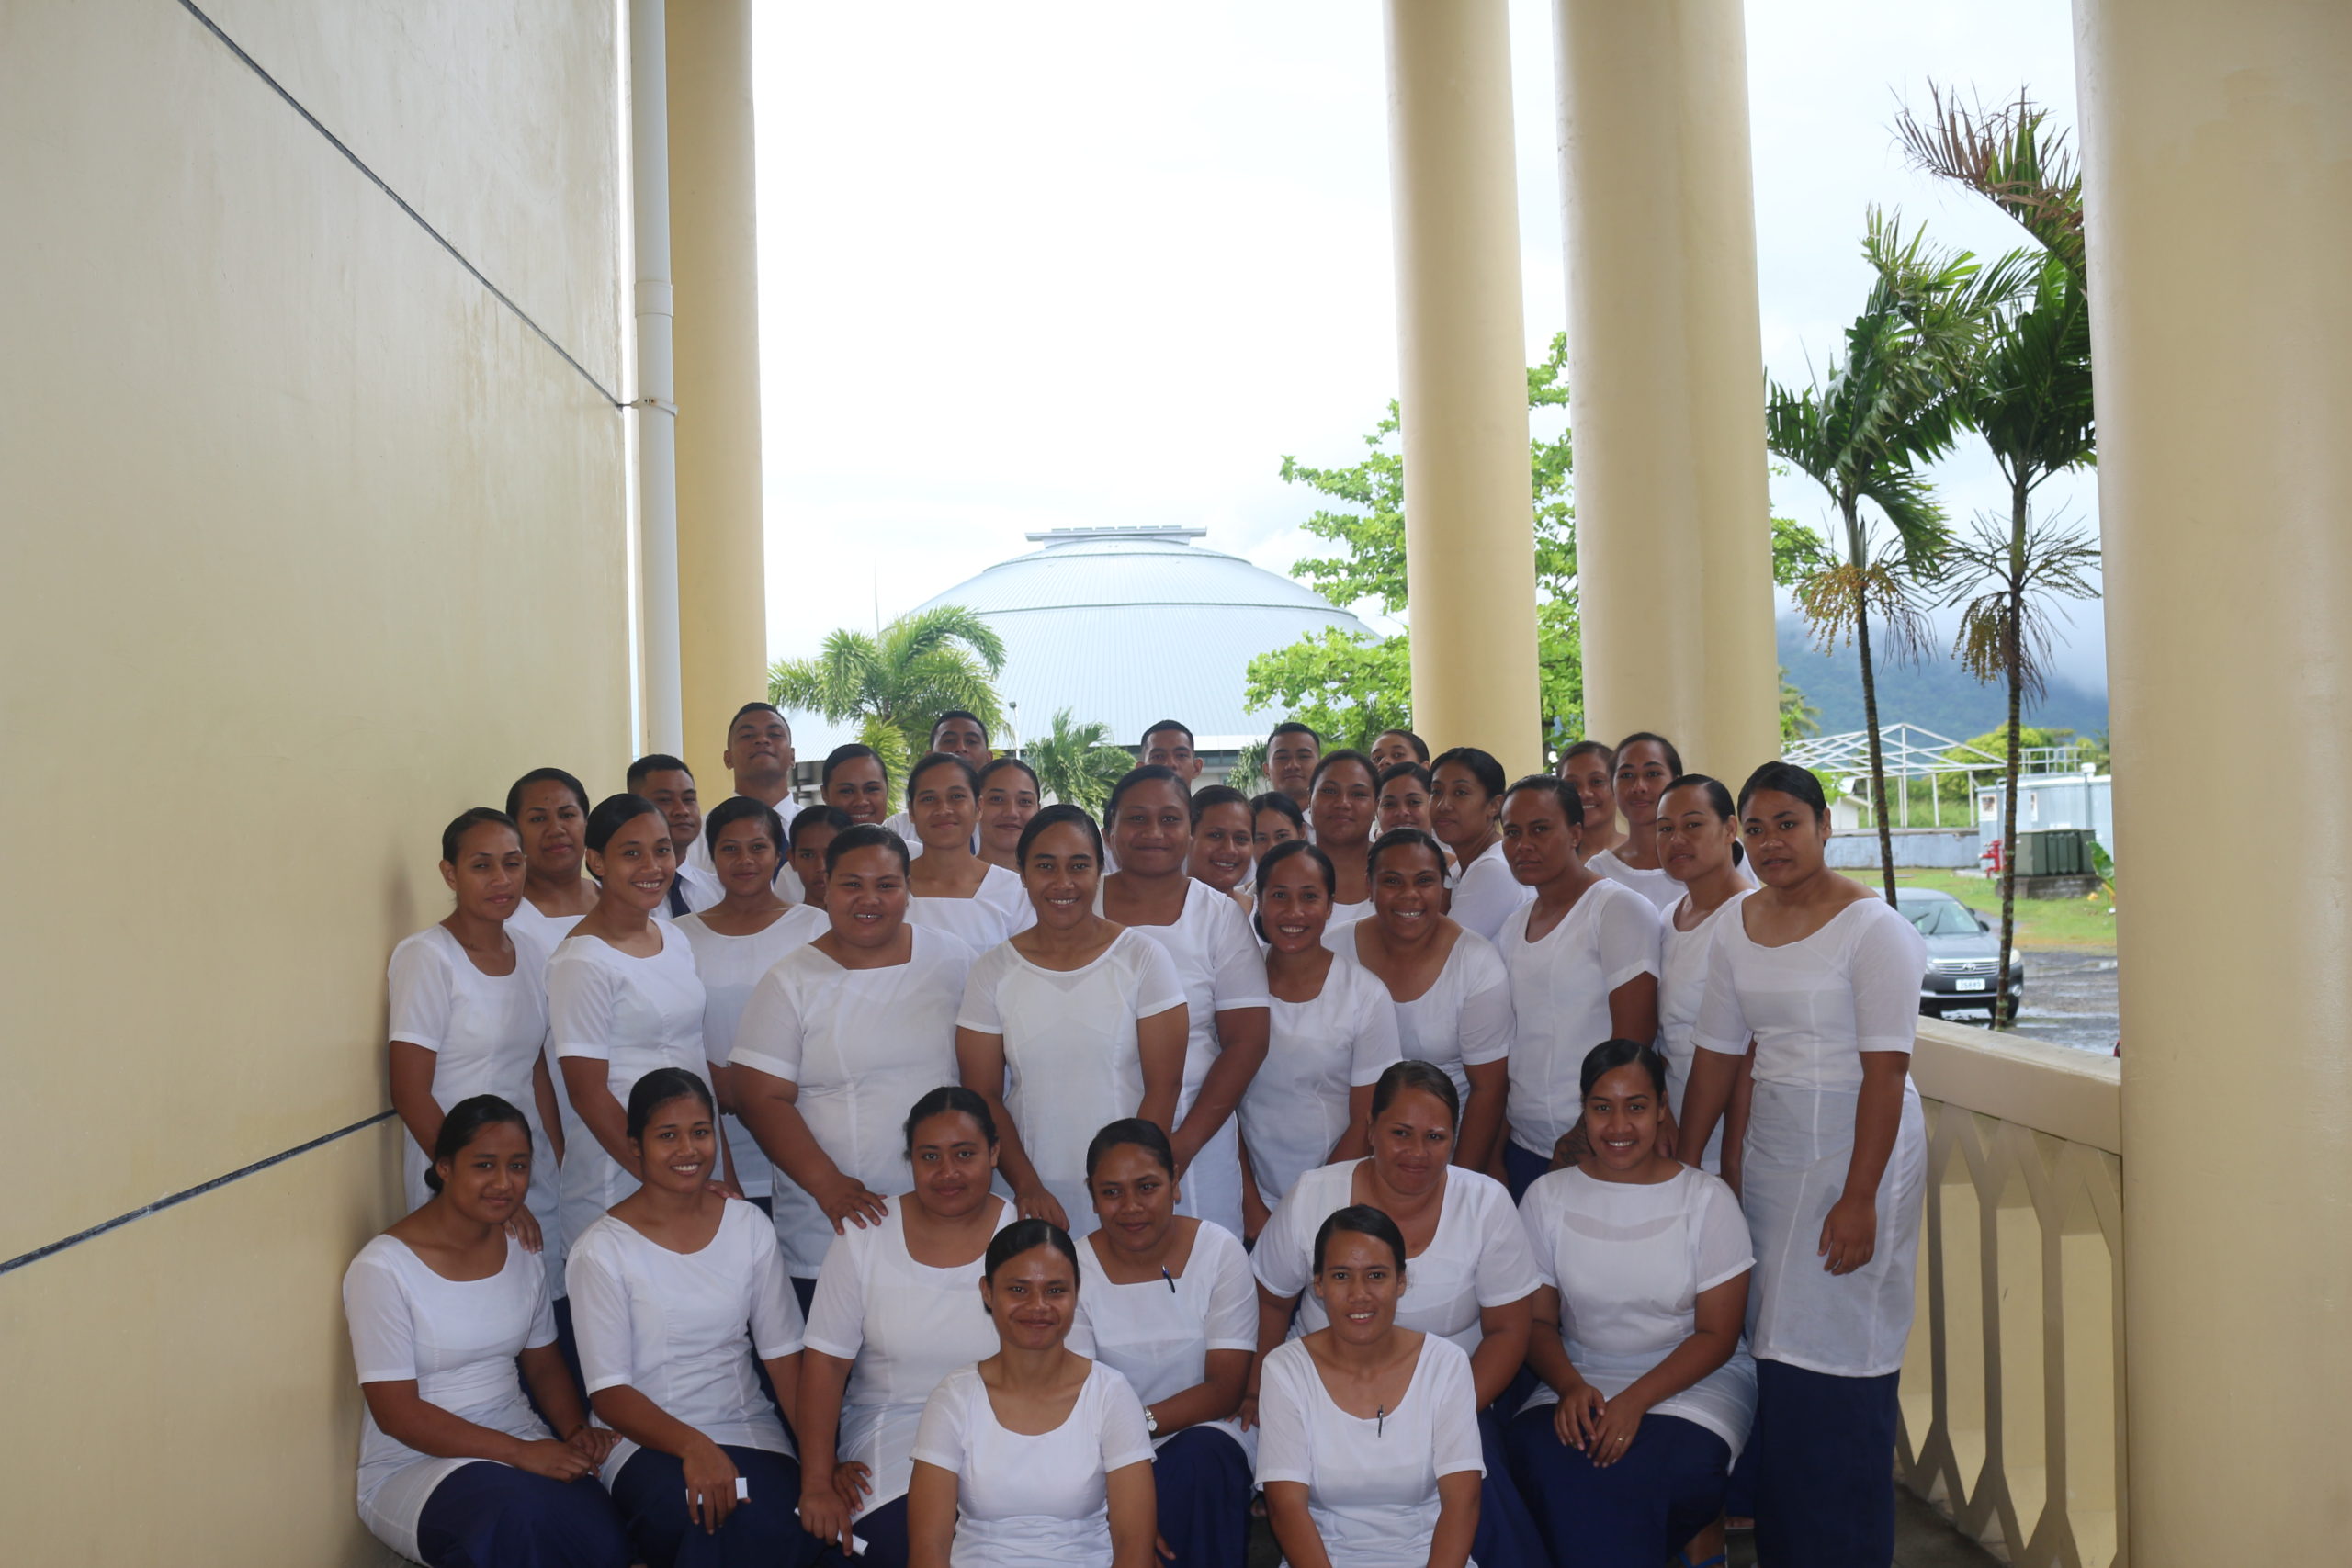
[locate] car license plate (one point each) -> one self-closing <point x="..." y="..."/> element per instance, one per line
<point x="1968" y="984"/>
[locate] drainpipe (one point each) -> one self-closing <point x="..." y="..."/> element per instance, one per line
<point x="656" y="405"/>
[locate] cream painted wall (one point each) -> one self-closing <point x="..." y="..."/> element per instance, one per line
<point x="311" y="544"/>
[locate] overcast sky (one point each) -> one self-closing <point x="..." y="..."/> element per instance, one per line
<point x="1057" y="264"/>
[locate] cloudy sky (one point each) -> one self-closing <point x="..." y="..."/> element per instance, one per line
<point x="1059" y="263"/>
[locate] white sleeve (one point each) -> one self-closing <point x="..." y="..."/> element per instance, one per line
<point x="383" y="1336"/>
<point x="1889" y="957"/>
<point x="600" y="1319"/>
<point x="1237" y="969"/>
<point x="542" y="1310"/>
<point x="1487" y="1022"/>
<point x="1119" y="1422"/>
<point x="1726" y="1250"/>
<point x="420" y="996"/>
<point x="1284" y="1451"/>
<point x="1284" y="1259"/>
<point x="1158" y="985"/>
<point x="581" y="995"/>
<point x="777" y="1328"/>
<point x="1539" y="1223"/>
<point x="1630" y="939"/>
<point x="1455" y="1421"/>
<point x="1378" y="1046"/>
<point x="978" y="1011"/>
<point x="768" y="1035"/>
<point x="939" y="1437"/>
<point x="1507" y="1271"/>
<point x="1233" y="1297"/>
<point x="1488" y="895"/>
<point x="1723" y="1023"/>
<point x="837" y="1311"/>
<point x="1079" y="1341"/>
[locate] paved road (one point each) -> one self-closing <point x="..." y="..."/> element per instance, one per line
<point x="2070" y="999"/>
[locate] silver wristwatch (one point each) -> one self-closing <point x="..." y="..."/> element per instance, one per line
<point x="1150" y="1421"/>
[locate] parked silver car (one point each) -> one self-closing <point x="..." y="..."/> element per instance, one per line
<point x="1963" y="954"/>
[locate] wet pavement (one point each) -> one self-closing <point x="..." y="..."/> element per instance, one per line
<point x="2070" y="999"/>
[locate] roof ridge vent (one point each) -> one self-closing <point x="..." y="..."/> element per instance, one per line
<point x="1139" y="531"/>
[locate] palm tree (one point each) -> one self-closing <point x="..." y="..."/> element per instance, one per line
<point x="1859" y="432"/>
<point x="1076" y="762"/>
<point x="2031" y="400"/>
<point x="896" y="683"/>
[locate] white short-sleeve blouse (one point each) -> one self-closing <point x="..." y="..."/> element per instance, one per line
<point x="1157" y="1334"/>
<point x="1485" y="893"/>
<point x="1683" y="961"/>
<point x="1559" y="991"/>
<point x="996" y="910"/>
<point x="1660" y="889"/>
<point x="1342" y="1038"/>
<point x="1023" y="1501"/>
<point x="1463" y="1020"/>
<point x="729" y="966"/>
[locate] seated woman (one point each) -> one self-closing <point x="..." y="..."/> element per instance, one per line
<point x="1369" y="1452"/>
<point x="672" y="1293"/>
<point x="455" y="1471"/>
<point x="1624" y="1453"/>
<point x="1035" y="1455"/>
<point x="1166" y="1302"/>
<point x="893" y="1316"/>
<point x="1472" y="1281"/>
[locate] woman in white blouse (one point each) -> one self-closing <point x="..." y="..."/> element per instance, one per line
<point x="1466" y="801"/>
<point x="1334" y="1032"/>
<point x="1590" y="768"/>
<point x="1472" y="1282"/>
<point x="1009" y="797"/>
<point x="1647" y="763"/>
<point x="1342" y="807"/>
<point x="1207" y="938"/>
<point x="1824" y="977"/>
<point x="840" y="1036"/>
<point x="470" y="1016"/>
<point x="1036" y="1457"/>
<point x="1451" y="993"/>
<point x="950" y="888"/>
<point x="1223" y="847"/>
<point x="1698" y="842"/>
<point x="895" y="1311"/>
<point x="1583" y="960"/>
<point x="623" y="999"/>
<point x="550" y="811"/>
<point x="454" y="1469"/>
<point x="737" y="939"/>
<point x="1370" y="1451"/>
<point x="1074" y="1022"/>
<point x="1168" y="1303"/>
<point x="673" y="1293"/>
<point x="1625" y="1452"/>
<point x="1404" y="798"/>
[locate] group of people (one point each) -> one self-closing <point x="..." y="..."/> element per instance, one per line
<point x="986" y="1185"/>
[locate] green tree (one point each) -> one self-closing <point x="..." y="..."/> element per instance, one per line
<point x="1351" y="687"/>
<point x="2030" y="402"/>
<point x="1076" y="762"/>
<point x="1860" y="431"/>
<point x="894" y="685"/>
<point x="1799" y="718"/>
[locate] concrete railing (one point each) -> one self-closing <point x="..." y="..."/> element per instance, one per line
<point x="2012" y="1388"/>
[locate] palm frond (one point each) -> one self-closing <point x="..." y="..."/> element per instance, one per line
<point x="2008" y="155"/>
<point x="2005" y="584"/>
<point x="1835" y="599"/>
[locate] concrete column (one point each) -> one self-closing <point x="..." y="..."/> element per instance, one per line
<point x="1666" y="360"/>
<point x="722" y="573"/>
<point x="2218" y="155"/>
<point x="1469" y="521"/>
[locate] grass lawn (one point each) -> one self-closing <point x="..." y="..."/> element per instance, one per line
<point x="2041" y="922"/>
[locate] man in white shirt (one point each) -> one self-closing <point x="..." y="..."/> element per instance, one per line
<point x="759" y="754"/>
<point x="1169" y="744"/>
<point x="664" y="780"/>
<point x="1291" y="753"/>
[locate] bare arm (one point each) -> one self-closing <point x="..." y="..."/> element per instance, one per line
<point x="588" y="1080"/>
<point x="1295" y="1530"/>
<point x="412" y="1087"/>
<point x="1356" y="1141"/>
<point x="771" y="1109"/>
<point x="1503" y="1334"/>
<point x="1712" y="1073"/>
<point x="1159" y="1041"/>
<point x="408" y="1418"/>
<point x="979" y="1063"/>
<point x="710" y="1475"/>
<point x="1632" y="1010"/>
<point x="1482" y="1118"/>
<point x="1214" y="1398"/>
<point x="1134" y="1516"/>
<point x="1242" y="1034"/>
<point x="1457" y="1519"/>
<point x="930" y="1515"/>
<point x="1743" y="1101"/>
<point x="1849" y="1235"/>
<point x="550" y="1113"/>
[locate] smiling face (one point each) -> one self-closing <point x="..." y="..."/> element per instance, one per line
<point x="487" y="875"/>
<point x="962" y="737"/>
<point x="1404" y="803"/>
<point x="1135" y="1197"/>
<point x="759" y="753"/>
<point x="1031" y="1297"/>
<point x="487" y="1180"/>
<point x="1408" y="894"/>
<point x="1621" y="1117"/>
<point x="954" y="1163"/>
<point x="1461" y="811"/>
<point x="1412" y="1139"/>
<point x="745" y="857"/>
<point x="940" y="800"/>
<point x="1539" y="841"/>
<point x="808" y="860"/>
<point x="1060" y="876"/>
<point x="672" y="791"/>
<point x="1272" y="827"/>
<point x="1692" y="841"/>
<point x="1359" y="1283"/>
<point x="1590" y="776"/>
<point x="1152" y="830"/>
<point x="1392" y="747"/>
<point x="678" y="1151"/>
<point x="552" y="821"/>
<point x="1008" y="800"/>
<point x="1222" y="851"/>
<point x="1643" y="775"/>
<point x="1295" y="905"/>
<point x="638" y="863"/>
<point x="1342" y="807"/>
<point x="1785" y="838"/>
<point x="1170" y="748"/>
<point x="866" y="896"/>
<point x="1290" y="763"/>
<point x="859" y="788"/>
